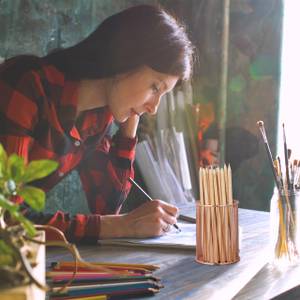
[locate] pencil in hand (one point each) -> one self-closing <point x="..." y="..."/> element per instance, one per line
<point x="148" y="197"/>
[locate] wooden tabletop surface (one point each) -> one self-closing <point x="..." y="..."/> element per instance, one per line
<point x="183" y="278"/>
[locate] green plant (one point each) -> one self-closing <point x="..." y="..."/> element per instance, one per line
<point x="15" y="179"/>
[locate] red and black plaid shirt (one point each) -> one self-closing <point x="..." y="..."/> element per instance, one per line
<point x="38" y="120"/>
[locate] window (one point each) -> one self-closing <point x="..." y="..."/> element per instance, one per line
<point x="289" y="107"/>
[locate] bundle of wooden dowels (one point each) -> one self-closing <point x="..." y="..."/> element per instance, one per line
<point x="217" y="217"/>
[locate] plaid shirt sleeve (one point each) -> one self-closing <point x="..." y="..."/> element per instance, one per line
<point x="104" y="174"/>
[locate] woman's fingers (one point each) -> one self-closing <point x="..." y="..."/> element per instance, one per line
<point x="153" y="218"/>
<point x="166" y="228"/>
<point x="159" y="209"/>
<point x="169" y="208"/>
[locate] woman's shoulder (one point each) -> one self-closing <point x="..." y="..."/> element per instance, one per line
<point x="21" y="64"/>
<point x="15" y="68"/>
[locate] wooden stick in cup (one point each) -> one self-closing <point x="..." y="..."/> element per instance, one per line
<point x="213" y="215"/>
<point x="207" y="223"/>
<point x="219" y="218"/>
<point x="226" y="222"/>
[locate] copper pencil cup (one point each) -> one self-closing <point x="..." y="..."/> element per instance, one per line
<point x="217" y="234"/>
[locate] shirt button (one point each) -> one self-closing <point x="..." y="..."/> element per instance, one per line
<point x="77" y="143"/>
<point x="61" y="174"/>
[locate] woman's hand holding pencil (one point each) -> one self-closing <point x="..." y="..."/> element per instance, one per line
<point x="150" y="199"/>
<point x="152" y="218"/>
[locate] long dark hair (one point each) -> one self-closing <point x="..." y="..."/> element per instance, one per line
<point x="140" y="35"/>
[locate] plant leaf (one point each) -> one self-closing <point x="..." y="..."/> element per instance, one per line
<point x="6" y="204"/>
<point x="28" y="226"/>
<point x="38" y="169"/>
<point x="33" y="196"/>
<point x="13" y="209"/>
<point x="15" y="167"/>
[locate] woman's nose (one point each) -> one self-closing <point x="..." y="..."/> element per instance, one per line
<point x="153" y="106"/>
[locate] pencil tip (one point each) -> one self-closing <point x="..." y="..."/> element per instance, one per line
<point x="176" y="226"/>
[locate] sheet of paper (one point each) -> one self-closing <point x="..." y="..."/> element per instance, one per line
<point x="186" y="239"/>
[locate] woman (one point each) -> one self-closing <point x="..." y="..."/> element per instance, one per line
<point x="61" y="107"/>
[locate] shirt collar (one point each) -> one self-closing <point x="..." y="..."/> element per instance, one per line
<point x="89" y="122"/>
<point x="94" y="121"/>
<point x="68" y="105"/>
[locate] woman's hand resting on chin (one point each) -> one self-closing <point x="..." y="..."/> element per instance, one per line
<point x="129" y="127"/>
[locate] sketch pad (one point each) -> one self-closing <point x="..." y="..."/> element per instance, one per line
<point x="186" y="239"/>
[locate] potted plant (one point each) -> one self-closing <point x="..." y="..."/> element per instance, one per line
<point x="15" y="229"/>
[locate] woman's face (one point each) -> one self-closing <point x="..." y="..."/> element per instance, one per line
<point x="138" y="92"/>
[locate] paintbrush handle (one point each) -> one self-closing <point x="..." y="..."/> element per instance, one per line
<point x="287" y="166"/>
<point x="269" y="154"/>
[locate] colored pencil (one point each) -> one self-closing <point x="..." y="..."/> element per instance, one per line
<point x="114" y="280"/>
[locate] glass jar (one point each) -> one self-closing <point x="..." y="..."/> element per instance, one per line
<point x="284" y="231"/>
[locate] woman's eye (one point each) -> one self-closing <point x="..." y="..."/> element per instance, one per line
<point x="155" y="88"/>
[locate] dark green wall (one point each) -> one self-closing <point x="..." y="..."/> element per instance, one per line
<point x="39" y="26"/>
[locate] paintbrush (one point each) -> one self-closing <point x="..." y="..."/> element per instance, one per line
<point x="269" y="153"/>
